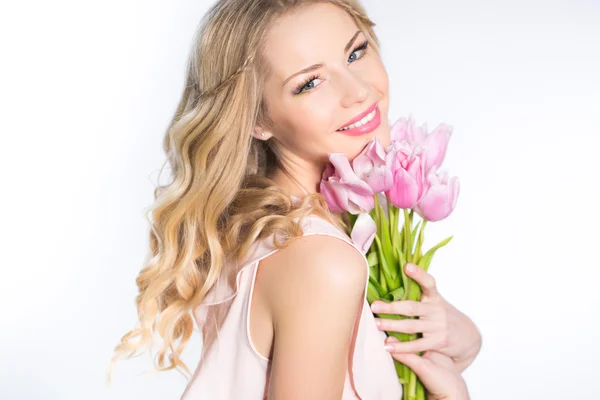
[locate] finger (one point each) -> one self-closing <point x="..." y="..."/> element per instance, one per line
<point x="403" y="325"/>
<point x="408" y="308"/>
<point x="411" y="346"/>
<point x="423" y="278"/>
<point x="440" y="359"/>
<point x="416" y="363"/>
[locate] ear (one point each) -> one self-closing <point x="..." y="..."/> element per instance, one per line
<point x="261" y="134"/>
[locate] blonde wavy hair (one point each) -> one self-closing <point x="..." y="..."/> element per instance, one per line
<point x="220" y="198"/>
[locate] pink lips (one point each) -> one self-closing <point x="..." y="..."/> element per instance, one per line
<point x="366" y="128"/>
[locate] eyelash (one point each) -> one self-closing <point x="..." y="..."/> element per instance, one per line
<point x="299" y="89"/>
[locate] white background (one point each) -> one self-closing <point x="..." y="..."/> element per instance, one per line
<point x="88" y="87"/>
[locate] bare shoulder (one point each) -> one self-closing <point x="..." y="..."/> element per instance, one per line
<point x="314" y="289"/>
<point x="312" y="263"/>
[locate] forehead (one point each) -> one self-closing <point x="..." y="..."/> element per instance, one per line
<point x="306" y="36"/>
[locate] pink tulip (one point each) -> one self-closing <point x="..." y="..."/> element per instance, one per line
<point x="370" y="166"/>
<point x="440" y="197"/>
<point x="363" y="232"/>
<point x="343" y="189"/>
<point x="406" y="164"/>
<point x="434" y="144"/>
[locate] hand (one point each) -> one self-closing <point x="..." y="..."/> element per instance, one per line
<point x="439" y="374"/>
<point x="445" y="329"/>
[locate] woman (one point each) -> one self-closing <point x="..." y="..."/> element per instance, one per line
<point x="242" y="237"/>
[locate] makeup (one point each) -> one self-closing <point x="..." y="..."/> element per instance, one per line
<point x="363" y="123"/>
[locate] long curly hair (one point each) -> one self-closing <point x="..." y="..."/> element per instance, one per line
<point x="220" y="198"/>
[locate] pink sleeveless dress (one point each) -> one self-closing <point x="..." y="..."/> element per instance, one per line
<point x="232" y="369"/>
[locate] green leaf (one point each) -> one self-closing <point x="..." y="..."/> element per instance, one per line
<point x="404" y="278"/>
<point x="384" y="243"/>
<point x="373" y="261"/>
<point x="372" y="258"/>
<point x="427" y="257"/>
<point x="379" y="290"/>
<point x="384" y="261"/>
<point x="374" y="273"/>
<point x="396" y="294"/>
<point x="414" y="236"/>
<point x="401" y="256"/>
<point x="393" y="223"/>
<point x="418" y="250"/>
<point x="353" y="218"/>
<point x="400" y="237"/>
<point x="372" y="293"/>
<point x="387" y="253"/>
<point x="426" y="260"/>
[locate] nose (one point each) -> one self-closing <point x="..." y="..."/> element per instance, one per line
<point x="354" y="90"/>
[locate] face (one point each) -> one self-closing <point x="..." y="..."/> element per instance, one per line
<point x="324" y="76"/>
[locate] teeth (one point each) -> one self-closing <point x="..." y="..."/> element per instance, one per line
<point x="363" y="121"/>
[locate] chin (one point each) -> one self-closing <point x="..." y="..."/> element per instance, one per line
<point x="383" y="134"/>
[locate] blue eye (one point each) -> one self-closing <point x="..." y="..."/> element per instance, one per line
<point x="309" y="83"/>
<point x="353" y="57"/>
<point x="306" y="85"/>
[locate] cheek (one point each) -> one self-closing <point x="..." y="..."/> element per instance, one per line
<point x="314" y="117"/>
<point x="307" y="128"/>
<point x="375" y="74"/>
<point x="380" y="83"/>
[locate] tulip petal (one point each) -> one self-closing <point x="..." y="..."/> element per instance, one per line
<point x="440" y="199"/>
<point x="379" y="152"/>
<point x="328" y="172"/>
<point x="383" y="202"/>
<point x="340" y="193"/>
<point x="436" y="145"/>
<point x="454" y="191"/>
<point x="347" y="175"/>
<point x="380" y="179"/>
<point x="363" y="232"/>
<point x="362" y="165"/>
<point x="358" y="203"/>
<point x="399" y="130"/>
<point x="327" y="191"/>
<point x="405" y="191"/>
<point x="434" y="206"/>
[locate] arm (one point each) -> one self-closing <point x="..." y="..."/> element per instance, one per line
<point x="315" y="291"/>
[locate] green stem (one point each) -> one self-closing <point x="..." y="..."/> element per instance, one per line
<point x="383" y="230"/>
<point x="408" y="233"/>
<point x="402" y="370"/>
<point x="394" y="227"/>
<point x="420" y="390"/>
<point x="412" y="386"/>
<point x="419" y="251"/>
<point x="384" y="273"/>
<point x="377" y="213"/>
<point x="409" y="283"/>
<point x="403" y="276"/>
<point x="391" y="227"/>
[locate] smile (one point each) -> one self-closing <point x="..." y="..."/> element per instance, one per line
<point x="363" y="123"/>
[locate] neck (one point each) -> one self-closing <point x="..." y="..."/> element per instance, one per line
<point x="303" y="183"/>
<point x="299" y="181"/>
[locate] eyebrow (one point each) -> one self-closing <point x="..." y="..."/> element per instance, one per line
<point x="317" y="66"/>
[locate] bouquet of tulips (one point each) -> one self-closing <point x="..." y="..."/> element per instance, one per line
<point x="373" y="188"/>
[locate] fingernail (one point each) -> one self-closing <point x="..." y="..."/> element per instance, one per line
<point x="388" y="347"/>
<point x="378" y="323"/>
<point x="410" y="268"/>
<point x="376" y="307"/>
